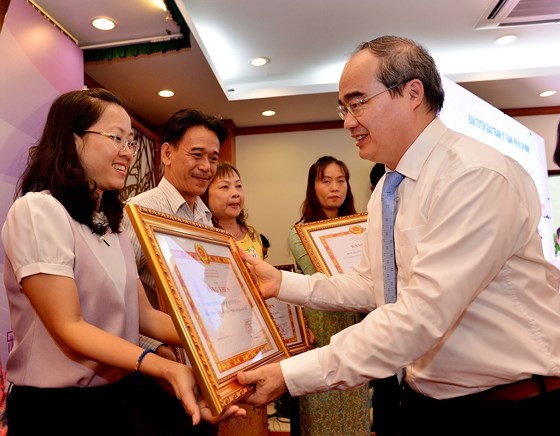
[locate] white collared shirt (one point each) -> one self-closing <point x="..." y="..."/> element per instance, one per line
<point x="478" y="305"/>
<point x="167" y="199"/>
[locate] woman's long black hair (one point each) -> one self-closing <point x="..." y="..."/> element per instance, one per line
<point x="311" y="209"/>
<point x="53" y="163"/>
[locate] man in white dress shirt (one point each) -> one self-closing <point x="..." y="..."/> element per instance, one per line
<point x="190" y="151"/>
<point x="476" y="323"/>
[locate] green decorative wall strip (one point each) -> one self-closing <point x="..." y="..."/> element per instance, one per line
<point x="145" y="48"/>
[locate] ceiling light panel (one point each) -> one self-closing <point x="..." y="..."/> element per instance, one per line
<point x="259" y="62"/>
<point x="103" y="23"/>
<point x="506" y="40"/>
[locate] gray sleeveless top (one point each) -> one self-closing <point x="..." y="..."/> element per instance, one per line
<point x="36" y="360"/>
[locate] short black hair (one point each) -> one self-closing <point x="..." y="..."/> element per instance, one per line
<point x="184" y="119"/>
<point x="556" y="156"/>
<point x="265" y="241"/>
<point x="377" y="171"/>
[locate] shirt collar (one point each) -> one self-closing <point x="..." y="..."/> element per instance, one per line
<point x="175" y="199"/>
<point x="200" y="213"/>
<point x="417" y="154"/>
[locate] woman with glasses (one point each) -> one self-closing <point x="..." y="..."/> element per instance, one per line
<point x="76" y="303"/>
<point x="328" y="195"/>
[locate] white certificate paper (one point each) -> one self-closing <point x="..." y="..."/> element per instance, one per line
<point x="335" y="245"/>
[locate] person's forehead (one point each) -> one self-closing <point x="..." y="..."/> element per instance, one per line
<point x="202" y="148"/>
<point x="330" y="170"/>
<point x="228" y="177"/>
<point x="359" y="74"/>
<point x="205" y="147"/>
<point x="200" y="136"/>
<point x="333" y="170"/>
<point x="114" y="114"/>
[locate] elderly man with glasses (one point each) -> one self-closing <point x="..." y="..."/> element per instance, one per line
<point x="475" y="322"/>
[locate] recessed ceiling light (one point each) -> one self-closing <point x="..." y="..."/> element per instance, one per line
<point x="166" y="93"/>
<point x="268" y="113"/>
<point x="259" y="62"/>
<point x="547" y="93"/>
<point x="104" y="23"/>
<point x="506" y="39"/>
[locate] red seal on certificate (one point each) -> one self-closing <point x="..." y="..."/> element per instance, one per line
<point x="202" y="254"/>
<point x="356" y="229"/>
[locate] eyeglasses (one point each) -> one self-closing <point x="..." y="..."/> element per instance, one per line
<point x="119" y="141"/>
<point x="356" y="107"/>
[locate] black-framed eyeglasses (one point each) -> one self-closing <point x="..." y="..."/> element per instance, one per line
<point x="120" y="142"/>
<point x="356" y="107"/>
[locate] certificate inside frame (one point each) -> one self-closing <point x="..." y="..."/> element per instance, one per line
<point x="335" y="244"/>
<point x="292" y="325"/>
<point x="291" y="320"/>
<point x="222" y="320"/>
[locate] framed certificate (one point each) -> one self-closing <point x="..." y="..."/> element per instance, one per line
<point x="292" y="325"/>
<point x="222" y="320"/>
<point x="334" y="245"/>
<point x="290" y="320"/>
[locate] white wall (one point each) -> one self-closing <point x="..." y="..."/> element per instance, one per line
<point x="274" y="171"/>
<point x="545" y="126"/>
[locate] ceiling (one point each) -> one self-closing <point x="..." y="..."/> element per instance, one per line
<point x="308" y="42"/>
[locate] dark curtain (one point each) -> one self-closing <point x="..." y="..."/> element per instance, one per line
<point x="106" y="54"/>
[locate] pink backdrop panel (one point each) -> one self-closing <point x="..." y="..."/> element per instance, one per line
<point x="38" y="63"/>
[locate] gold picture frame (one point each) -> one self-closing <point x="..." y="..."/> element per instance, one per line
<point x="222" y="320"/>
<point x="290" y="320"/>
<point x="292" y="325"/>
<point x="334" y="245"/>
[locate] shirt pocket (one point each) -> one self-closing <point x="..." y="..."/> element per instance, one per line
<point x="406" y="248"/>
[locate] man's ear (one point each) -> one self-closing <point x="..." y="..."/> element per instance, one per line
<point x="166" y="152"/>
<point x="415" y="91"/>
